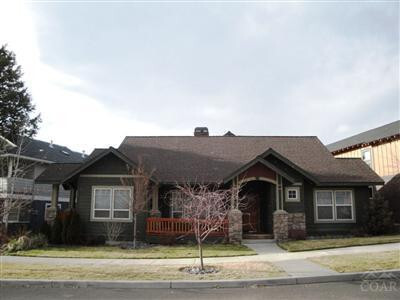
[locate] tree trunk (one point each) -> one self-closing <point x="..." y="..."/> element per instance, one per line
<point x="200" y="254"/>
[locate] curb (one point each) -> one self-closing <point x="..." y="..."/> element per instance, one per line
<point x="190" y="284"/>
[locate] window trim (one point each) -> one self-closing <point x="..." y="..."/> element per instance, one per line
<point x="172" y="211"/>
<point x="367" y="149"/>
<point x="334" y="205"/>
<point x="293" y="188"/>
<point x="111" y="217"/>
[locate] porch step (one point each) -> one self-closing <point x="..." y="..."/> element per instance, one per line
<point x="259" y="241"/>
<point x="257" y="236"/>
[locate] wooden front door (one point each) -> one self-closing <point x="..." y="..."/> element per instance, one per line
<point x="251" y="214"/>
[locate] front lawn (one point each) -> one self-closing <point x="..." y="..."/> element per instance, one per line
<point x="176" y="251"/>
<point x="244" y="270"/>
<point x="361" y="262"/>
<point x="306" y="245"/>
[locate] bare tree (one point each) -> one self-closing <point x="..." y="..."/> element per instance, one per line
<point x="140" y="182"/>
<point x="113" y="230"/>
<point x="206" y="208"/>
<point x="18" y="194"/>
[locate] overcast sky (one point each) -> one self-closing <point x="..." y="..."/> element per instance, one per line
<point x="100" y="71"/>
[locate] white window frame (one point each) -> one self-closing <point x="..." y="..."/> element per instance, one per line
<point x="290" y="189"/>
<point x="173" y="211"/>
<point x="111" y="217"/>
<point x="18" y="220"/>
<point x="334" y="205"/>
<point x="367" y="149"/>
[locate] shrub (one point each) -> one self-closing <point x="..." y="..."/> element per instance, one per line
<point x="379" y="216"/>
<point x="46" y="230"/>
<point x="74" y="229"/>
<point x="26" y="242"/>
<point x="66" y="220"/>
<point x="56" y="230"/>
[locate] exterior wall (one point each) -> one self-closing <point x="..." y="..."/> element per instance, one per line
<point x="109" y="165"/>
<point x="385" y="157"/>
<point x="361" y="198"/>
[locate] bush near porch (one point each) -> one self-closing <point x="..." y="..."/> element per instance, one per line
<point x="317" y="244"/>
<point x="177" y="251"/>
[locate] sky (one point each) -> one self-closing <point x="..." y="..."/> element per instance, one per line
<point x="99" y="71"/>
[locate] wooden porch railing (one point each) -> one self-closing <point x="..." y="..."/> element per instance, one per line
<point x="178" y="226"/>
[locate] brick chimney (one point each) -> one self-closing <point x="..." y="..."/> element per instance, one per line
<point x="201" y="131"/>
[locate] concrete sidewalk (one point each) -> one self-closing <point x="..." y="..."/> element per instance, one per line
<point x="269" y="252"/>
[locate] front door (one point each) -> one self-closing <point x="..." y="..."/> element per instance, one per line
<point x="251" y="214"/>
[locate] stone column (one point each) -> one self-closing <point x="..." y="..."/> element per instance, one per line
<point x="155" y="212"/>
<point x="281" y="225"/>
<point x="52" y="211"/>
<point x="235" y="226"/>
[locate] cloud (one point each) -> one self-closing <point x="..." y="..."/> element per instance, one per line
<point x="70" y="117"/>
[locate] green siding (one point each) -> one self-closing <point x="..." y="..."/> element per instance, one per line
<point x="361" y="196"/>
<point x="108" y="165"/>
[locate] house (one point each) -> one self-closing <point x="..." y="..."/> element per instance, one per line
<point x="379" y="148"/>
<point x="296" y="185"/>
<point x="20" y="166"/>
<point x="391" y="192"/>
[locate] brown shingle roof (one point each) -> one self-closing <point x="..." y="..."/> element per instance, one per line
<point x="55" y="173"/>
<point x="211" y="159"/>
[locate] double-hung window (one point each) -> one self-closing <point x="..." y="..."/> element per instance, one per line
<point x="111" y="203"/>
<point x="334" y="206"/>
<point x="177" y="204"/>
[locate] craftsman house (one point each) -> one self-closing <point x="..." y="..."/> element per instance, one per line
<point x="296" y="185"/>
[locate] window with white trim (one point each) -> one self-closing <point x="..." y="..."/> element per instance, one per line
<point x="18" y="215"/>
<point x="334" y="205"/>
<point x="177" y="204"/>
<point x="292" y="194"/>
<point x="366" y="156"/>
<point x="111" y="203"/>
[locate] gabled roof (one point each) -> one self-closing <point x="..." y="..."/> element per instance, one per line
<point x="366" y="137"/>
<point x="214" y="158"/>
<point x="55" y="173"/>
<point x="45" y="152"/>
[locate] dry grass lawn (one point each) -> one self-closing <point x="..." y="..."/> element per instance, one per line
<point x="135" y="272"/>
<point x="361" y="262"/>
<point x="176" y="251"/>
<point x="307" y="245"/>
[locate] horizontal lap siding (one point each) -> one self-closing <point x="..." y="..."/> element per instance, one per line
<point x="361" y="199"/>
<point x="107" y="165"/>
<point x="84" y="204"/>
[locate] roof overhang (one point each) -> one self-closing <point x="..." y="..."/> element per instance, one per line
<point x="90" y="162"/>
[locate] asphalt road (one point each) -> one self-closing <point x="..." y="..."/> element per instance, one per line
<point x="337" y="291"/>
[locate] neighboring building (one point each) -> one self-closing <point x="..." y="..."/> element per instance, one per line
<point x="21" y="166"/>
<point x="295" y="183"/>
<point x="379" y="148"/>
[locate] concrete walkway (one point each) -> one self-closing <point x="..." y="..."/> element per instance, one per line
<point x="293" y="267"/>
<point x="269" y="252"/>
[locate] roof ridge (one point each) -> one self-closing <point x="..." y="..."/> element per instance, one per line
<point x="219" y="136"/>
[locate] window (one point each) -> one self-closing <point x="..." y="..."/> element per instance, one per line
<point x="293" y="194"/>
<point x="176" y="204"/>
<point x="334" y="206"/>
<point x="371" y="192"/>
<point x="18" y="215"/>
<point x="111" y="203"/>
<point x="366" y="156"/>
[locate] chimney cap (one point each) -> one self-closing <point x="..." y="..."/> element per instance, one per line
<point x="201" y="131"/>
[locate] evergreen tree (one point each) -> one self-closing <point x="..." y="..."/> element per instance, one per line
<point x="379" y="216"/>
<point x="16" y="106"/>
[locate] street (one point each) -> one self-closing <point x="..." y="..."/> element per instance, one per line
<point x="337" y="291"/>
